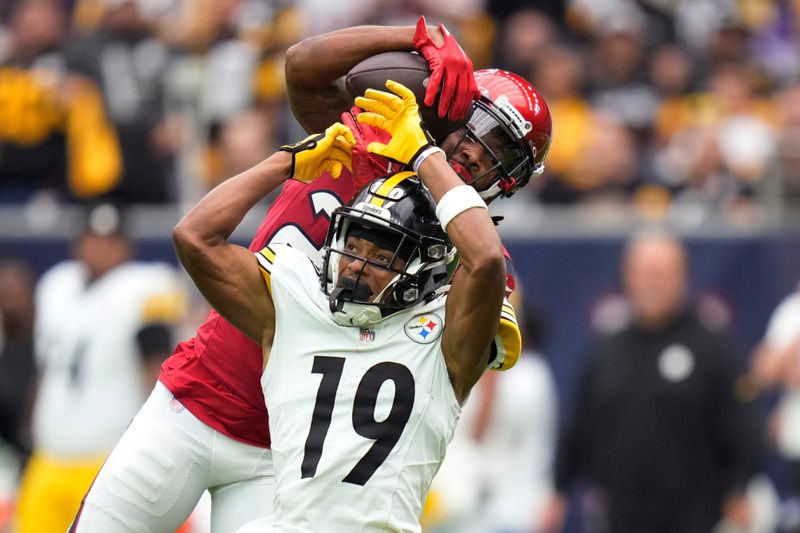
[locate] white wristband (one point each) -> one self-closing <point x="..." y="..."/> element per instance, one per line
<point x="456" y="201"/>
<point x="429" y="151"/>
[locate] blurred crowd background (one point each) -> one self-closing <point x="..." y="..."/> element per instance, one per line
<point x="683" y="114"/>
<point x="656" y="101"/>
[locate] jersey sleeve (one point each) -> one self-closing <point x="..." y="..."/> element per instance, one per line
<point x="266" y="264"/>
<point x="511" y="281"/>
<point x="507" y="344"/>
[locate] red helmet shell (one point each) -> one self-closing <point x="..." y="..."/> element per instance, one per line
<point x="527" y="114"/>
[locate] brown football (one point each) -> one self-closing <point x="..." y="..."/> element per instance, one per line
<point x="409" y="69"/>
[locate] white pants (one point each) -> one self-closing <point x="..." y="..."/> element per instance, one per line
<point x="155" y="475"/>
<point x="262" y="525"/>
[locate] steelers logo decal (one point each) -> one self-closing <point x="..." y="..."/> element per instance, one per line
<point x="424" y="329"/>
<point x="676" y="363"/>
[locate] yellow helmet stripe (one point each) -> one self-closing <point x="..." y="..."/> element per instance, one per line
<point x="387" y="186"/>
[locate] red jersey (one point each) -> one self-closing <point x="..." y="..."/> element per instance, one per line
<point x="217" y="374"/>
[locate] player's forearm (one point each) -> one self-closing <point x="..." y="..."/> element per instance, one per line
<point x="476" y="296"/>
<point x="472" y="231"/>
<point x="218" y="213"/>
<point x="315" y="66"/>
<point x="317" y="61"/>
<point x="227" y="274"/>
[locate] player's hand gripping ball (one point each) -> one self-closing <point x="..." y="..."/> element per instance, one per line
<point x="411" y="70"/>
<point x="322" y="152"/>
<point x="397" y="114"/>
<point x="451" y="73"/>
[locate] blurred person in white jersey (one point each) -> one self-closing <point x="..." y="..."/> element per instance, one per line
<point x="776" y="366"/>
<point x="100" y="319"/>
<point x="511" y="419"/>
<point x="351" y="451"/>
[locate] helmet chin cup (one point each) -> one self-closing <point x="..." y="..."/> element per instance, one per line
<point x="357" y="315"/>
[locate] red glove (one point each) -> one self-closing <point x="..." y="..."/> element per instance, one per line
<point x="451" y="69"/>
<point x="366" y="165"/>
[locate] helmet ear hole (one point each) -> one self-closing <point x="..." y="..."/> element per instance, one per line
<point x="411" y="295"/>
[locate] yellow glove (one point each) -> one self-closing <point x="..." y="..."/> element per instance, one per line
<point x="322" y="152"/>
<point x="398" y="115"/>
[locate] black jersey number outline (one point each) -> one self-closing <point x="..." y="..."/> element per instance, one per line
<point x="385" y="433"/>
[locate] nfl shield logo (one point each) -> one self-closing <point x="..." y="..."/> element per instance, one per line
<point x="175" y="406"/>
<point x="366" y="335"/>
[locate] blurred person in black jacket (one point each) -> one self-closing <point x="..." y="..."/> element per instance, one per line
<point x="17" y="366"/>
<point x="126" y="60"/>
<point x="658" y="429"/>
<point x="55" y="135"/>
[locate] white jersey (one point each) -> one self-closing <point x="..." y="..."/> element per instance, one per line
<point x="91" y="379"/>
<point x="359" y="418"/>
<point x="784" y="324"/>
<point x="783" y="330"/>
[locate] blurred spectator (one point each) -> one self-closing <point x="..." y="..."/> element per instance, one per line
<point x="657" y="427"/>
<point x="696" y="21"/>
<point x="719" y="155"/>
<point x="54" y="133"/>
<point x="321" y="16"/>
<point x="497" y="475"/>
<point x="605" y="170"/>
<point x="775" y="28"/>
<point x="502" y="9"/>
<point x="781" y="185"/>
<point x="123" y="56"/>
<point x="17" y="367"/>
<point x="217" y="71"/>
<point x="17" y="379"/>
<point x="102" y="320"/>
<point x="231" y="60"/>
<point x="617" y="82"/>
<point x="559" y="74"/>
<point x="522" y="41"/>
<point x="776" y="366"/>
<point x="672" y="75"/>
<point x="728" y="43"/>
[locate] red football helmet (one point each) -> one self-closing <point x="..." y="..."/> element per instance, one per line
<point x="511" y="121"/>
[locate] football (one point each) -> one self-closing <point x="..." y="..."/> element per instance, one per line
<point x="409" y="69"/>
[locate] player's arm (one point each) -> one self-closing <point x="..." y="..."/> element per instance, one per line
<point x="315" y="68"/>
<point x="228" y="275"/>
<point x="316" y="65"/>
<point x="476" y="295"/>
<point x="475" y="298"/>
